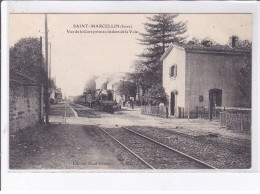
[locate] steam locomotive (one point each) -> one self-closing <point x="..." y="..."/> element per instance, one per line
<point x="102" y="100"/>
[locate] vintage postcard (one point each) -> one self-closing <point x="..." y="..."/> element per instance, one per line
<point x="130" y="92"/>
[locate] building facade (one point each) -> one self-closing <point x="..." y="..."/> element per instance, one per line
<point x="202" y="76"/>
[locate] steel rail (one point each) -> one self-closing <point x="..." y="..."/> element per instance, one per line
<point x="146" y="163"/>
<point x="154" y="141"/>
<point x="89" y="111"/>
<point x="92" y="113"/>
<point x="172" y="149"/>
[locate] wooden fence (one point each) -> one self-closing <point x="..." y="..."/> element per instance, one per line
<point x="231" y="117"/>
<point x="235" y="121"/>
<point x="202" y="112"/>
<point x="154" y="111"/>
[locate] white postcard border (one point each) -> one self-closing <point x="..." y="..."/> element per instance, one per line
<point x="178" y="180"/>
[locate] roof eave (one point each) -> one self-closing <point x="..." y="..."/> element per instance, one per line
<point x="217" y="52"/>
<point x="169" y="49"/>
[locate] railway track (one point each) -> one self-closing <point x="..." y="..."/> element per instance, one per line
<point x="207" y="139"/>
<point x="83" y="112"/>
<point x="154" y="154"/>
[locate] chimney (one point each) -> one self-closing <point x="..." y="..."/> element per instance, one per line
<point x="233" y="41"/>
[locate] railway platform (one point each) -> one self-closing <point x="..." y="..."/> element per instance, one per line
<point x="195" y="127"/>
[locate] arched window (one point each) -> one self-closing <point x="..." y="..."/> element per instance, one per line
<point x="173" y="71"/>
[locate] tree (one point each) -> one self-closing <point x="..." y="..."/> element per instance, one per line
<point x="245" y="81"/>
<point x="52" y="83"/>
<point x="155" y="95"/>
<point x="140" y="75"/>
<point x="26" y="58"/>
<point x="205" y="42"/>
<point x="127" y="88"/>
<point x="208" y="42"/>
<point x="244" y="44"/>
<point x="161" y="31"/>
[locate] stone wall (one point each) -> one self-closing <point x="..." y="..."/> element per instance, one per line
<point x="25" y="106"/>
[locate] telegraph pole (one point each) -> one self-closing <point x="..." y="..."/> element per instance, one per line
<point x="41" y="85"/>
<point x="50" y="63"/>
<point x="46" y="73"/>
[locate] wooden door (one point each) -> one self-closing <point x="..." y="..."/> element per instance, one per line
<point x="215" y="97"/>
<point x="172" y="103"/>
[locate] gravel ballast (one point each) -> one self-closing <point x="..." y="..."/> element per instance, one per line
<point x="222" y="153"/>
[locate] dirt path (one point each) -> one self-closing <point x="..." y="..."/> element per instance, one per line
<point x="67" y="146"/>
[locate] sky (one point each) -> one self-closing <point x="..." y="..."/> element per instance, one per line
<point x="77" y="56"/>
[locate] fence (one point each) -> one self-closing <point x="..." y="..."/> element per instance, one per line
<point x="231" y="117"/>
<point x="235" y="121"/>
<point x="202" y="112"/>
<point x="155" y="111"/>
<point x="181" y="114"/>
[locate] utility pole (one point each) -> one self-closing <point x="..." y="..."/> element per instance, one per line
<point x="41" y="84"/>
<point x="46" y="73"/>
<point x="50" y="63"/>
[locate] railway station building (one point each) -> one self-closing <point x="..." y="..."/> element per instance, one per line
<point x="198" y="76"/>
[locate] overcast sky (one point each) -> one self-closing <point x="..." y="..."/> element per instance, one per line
<point x="76" y="56"/>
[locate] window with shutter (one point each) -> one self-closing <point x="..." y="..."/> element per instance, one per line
<point x="173" y="71"/>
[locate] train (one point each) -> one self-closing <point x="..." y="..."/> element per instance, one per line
<point x="101" y="99"/>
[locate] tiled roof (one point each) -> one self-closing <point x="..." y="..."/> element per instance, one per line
<point x="206" y="49"/>
<point x="215" y="48"/>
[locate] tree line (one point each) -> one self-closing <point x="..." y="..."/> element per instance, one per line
<point x="26" y="58"/>
<point x="162" y="30"/>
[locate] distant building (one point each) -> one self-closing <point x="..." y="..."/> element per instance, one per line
<point x="197" y="75"/>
